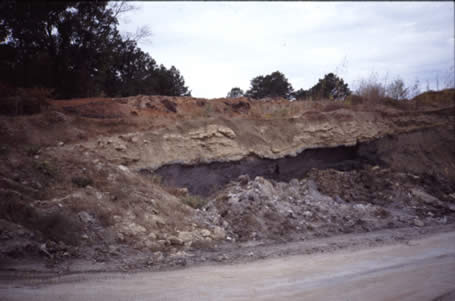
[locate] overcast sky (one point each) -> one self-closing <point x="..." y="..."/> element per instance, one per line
<point x="220" y="45"/>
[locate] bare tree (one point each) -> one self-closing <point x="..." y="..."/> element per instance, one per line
<point x="449" y="78"/>
<point x="119" y="8"/>
<point x="143" y="33"/>
<point x="414" y="90"/>
<point x="397" y="90"/>
<point x="371" y="88"/>
<point x="342" y="68"/>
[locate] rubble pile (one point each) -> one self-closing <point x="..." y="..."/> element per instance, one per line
<point x="324" y="203"/>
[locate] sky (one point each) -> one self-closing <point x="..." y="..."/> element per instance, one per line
<point x="220" y="45"/>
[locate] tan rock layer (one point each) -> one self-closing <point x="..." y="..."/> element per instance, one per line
<point x="230" y="140"/>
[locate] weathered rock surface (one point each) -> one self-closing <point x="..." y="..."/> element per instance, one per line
<point x="222" y="140"/>
<point x="124" y="206"/>
<point x="314" y="206"/>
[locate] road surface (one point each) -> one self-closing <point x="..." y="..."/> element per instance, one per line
<point x="418" y="270"/>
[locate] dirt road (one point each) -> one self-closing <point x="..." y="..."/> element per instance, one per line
<point x="417" y="270"/>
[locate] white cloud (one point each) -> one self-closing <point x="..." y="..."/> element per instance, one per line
<point x="219" y="45"/>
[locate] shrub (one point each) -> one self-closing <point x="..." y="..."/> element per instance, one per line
<point x="235" y="92"/>
<point x="371" y="91"/>
<point x="397" y="90"/>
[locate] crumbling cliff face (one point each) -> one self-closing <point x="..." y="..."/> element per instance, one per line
<point x="120" y="173"/>
<point x="222" y="140"/>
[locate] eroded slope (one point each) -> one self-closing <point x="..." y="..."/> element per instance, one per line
<point x="108" y="178"/>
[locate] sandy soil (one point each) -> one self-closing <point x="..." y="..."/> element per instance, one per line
<point x="421" y="269"/>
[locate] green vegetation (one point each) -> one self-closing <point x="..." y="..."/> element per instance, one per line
<point x="277" y="85"/>
<point x="235" y="92"/>
<point x="330" y="87"/>
<point x="75" y="49"/>
<point x="272" y="85"/>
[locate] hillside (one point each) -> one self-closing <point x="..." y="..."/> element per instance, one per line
<point x="153" y="180"/>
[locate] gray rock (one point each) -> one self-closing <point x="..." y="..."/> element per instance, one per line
<point x="86" y="217"/>
<point x="307" y="214"/>
<point x="153" y="245"/>
<point x="425" y="197"/>
<point x="186" y="237"/>
<point x="252" y="196"/>
<point x="264" y="187"/>
<point x="174" y="241"/>
<point x="152" y="236"/>
<point x="419" y="223"/>
<point x="218" y="233"/>
<point x="123" y="168"/>
<point x="294" y="183"/>
<point x="205" y="233"/>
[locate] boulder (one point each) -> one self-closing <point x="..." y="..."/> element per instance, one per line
<point x="218" y="233"/>
<point x="85" y="217"/>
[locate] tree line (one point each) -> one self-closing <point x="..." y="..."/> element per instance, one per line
<point x="76" y="49"/>
<point x="330" y="87"/>
<point x="277" y="85"/>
